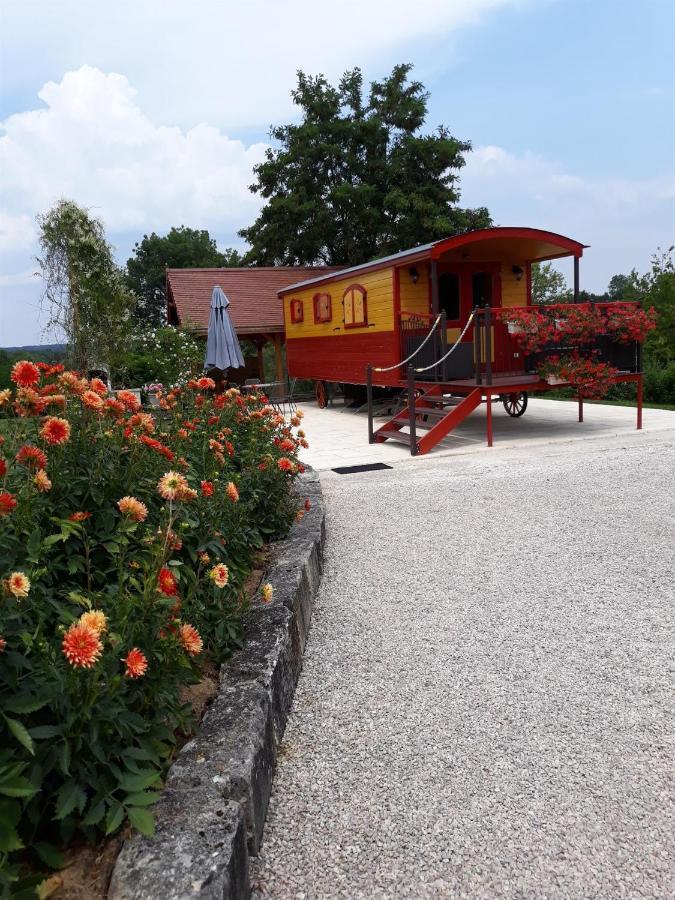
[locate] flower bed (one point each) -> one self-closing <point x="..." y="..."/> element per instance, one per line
<point x="126" y="540"/>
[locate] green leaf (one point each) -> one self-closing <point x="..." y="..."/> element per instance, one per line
<point x="68" y="797"/>
<point x="24" y="704"/>
<point x="49" y="854"/>
<point x="132" y="783"/>
<point x="17" y="787"/>
<point x="95" y="814"/>
<point x="9" y="839"/>
<point x="145" y="798"/>
<point x="33" y="545"/>
<point x="64" y="758"/>
<point x="142" y="820"/>
<point x="20" y="732"/>
<point x="44" y="731"/>
<point x="114" y="818"/>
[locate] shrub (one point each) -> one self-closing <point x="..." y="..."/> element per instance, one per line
<point x="126" y="539"/>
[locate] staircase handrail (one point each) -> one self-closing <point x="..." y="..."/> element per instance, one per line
<point x="412" y="355"/>
<point x="454" y="346"/>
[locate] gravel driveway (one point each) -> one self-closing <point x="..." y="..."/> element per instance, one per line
<point x="485" y="708"/>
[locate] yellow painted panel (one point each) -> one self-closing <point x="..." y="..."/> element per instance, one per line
<point x="379" y="302"/>
<point x="514" y="292"/>
<point x="415" y="297"/>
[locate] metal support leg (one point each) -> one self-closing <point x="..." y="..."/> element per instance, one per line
<point x="581" y="408"/>
<point x="369" y="393"/>
<point x="411" y="411"/>
<point x="488" y="401"/>
<point x="639" y="403"/>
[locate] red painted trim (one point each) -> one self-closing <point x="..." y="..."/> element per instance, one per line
<point x="472" y="237"/>
<point x="360" y="288"/>
<point x="316" y="302"/>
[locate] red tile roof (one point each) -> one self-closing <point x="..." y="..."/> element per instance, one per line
<point x="254" y="305"/>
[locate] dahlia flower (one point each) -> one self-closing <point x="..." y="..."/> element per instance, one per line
<point x="219" y="575"/>
<point x="80" y="516"/>
<point x="55" y="430"/>
<point x="18" y="585"/>
<point x="166" y="582"/>
<point x="207" y="488"/>
<point x="206" y="384"/>
<point x="232" y="491"/>
<point x="96" y="619"/>
<point x="42" y="481"/>
<point x="91" y="400"/>
<point x="133" y="509"/>
<point x="81" y="646"/>
<point x="4" y="396"/>
<point x="130" y="401"/>
<point x="266" y="592"/>
<point x="98" y="386"/>
<point x="285" y="464"/>
<point x="7" y="503"/>
<point x="171" y="484"/>
<point x="31" y="457"/>
<point x="190" y="639"/>
<point x="136" y="663"/>
<point x="25" y="374"/>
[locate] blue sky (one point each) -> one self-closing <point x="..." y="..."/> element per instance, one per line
<point x="153" y="113"/>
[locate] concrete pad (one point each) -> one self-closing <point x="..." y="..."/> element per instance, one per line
<point x="338" y="436"/>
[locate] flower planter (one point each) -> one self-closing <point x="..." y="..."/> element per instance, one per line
<point x="554" y="380"/>
<point x="153" y="400"/>
<point x="515" y="329"/>
<point x="560" y="324"/>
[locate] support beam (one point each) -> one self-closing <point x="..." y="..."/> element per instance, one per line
<point x="581" y="408"/>
<point x="278" y="357"/>
<point x="639" y="403"/>
<point x="261" y="361"/>
<point x="576" y="279"/>
<point x="488" y="401"/>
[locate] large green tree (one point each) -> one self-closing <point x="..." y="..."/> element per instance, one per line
<point x="84" y="288"/>
<point x="548" y="284"/>
<point x="181" y="248"/>
<point x="357" y="178"/>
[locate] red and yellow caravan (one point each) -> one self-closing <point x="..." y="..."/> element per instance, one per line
<point x="429" y="320"/>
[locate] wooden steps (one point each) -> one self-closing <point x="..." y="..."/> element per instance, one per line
<point x="442" y="412"/>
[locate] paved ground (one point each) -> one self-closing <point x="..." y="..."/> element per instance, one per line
<point x="485" y="709"/>
<point x="338" y="436"/>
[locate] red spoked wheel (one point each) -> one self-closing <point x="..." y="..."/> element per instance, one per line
<point x="321" y="394"/>
<point x="515" y="404"/>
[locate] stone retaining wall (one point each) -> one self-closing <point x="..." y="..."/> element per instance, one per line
<point x="211" y="814"/>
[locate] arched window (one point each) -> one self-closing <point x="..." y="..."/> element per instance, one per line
<point x="297" y="312"/>
<point x="322" y="308"/>
<point x="355" y="306"/>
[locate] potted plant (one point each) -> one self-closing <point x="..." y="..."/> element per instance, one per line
<point x="549" y="371"/>
<point x="532" y="328"/>
<point x="582" y="324"/>
<point x="154" y="392"/>
<point x="590" y="379"/>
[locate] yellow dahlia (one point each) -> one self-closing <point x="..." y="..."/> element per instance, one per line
<point x="171" y="485"/>
<point x="96" y="619"/>
<point x="18" y="585"/>
<point x="42" y="481"/>
<point x="190" y="639"/>
<point x="267" y="592"/>
<point x="219" y="575"/>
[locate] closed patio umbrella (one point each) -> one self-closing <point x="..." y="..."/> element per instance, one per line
<point x="222" y="346"/>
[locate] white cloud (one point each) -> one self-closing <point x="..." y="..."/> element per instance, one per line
<point x="624" y="220"/>
<point x="93" y="143"/>
<point x="229" y="62"/>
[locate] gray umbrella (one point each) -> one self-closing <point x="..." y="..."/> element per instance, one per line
<point x="222" y="346"/>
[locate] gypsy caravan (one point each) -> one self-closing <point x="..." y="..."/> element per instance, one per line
<point x="445" y="322"/>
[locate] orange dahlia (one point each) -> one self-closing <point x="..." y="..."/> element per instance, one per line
<point x="55" y="430"/>
<point x="133" y="508"/>
<point x="171" y="484"/>
<point x="79" y="516"/>
<point x="219" y="575"/>
<point x="98" y="386"/>
<point x="166" y="582"/>
<point x="206" y="384"/>
<point x="72" y="382"/>
<point x="130" y="401"/>
<point x="114" y="406"/>
<point x="18" y="585"/>
<point x="91" y="400"/>
<point x="190" y="639"/>
<point x="42" y="481"/>
<point x="207" y="488"/>
<point x="31" y="457"/>
<point x="157" y="446"/>
<point x="287" y="445"/>
<point x="81" y="646"/>
<point x="285" y="464"/>
<point x="136" y="663"/>
<point x="25" y="374"/>
<point x="232" y="491"/>
<point x="144" y="421"/>
<point x="96" y="619"/>
<point x="266" y="592"/>
<point x="7" y="503"/>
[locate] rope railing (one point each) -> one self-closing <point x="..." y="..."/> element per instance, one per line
<point x="452" y="349"/>
<point x="412" y="355"/>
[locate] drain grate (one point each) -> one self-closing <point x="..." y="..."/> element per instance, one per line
<point x="367" y="467"/>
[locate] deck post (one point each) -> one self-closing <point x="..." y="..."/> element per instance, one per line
<point x="488" y="345"/>
<point x="411" y="411"/>
<point x="488" y="401"/>
<point x="576" y="279"/>
<point x="639" y="403"/>
<point x="369" y="394"/>
<point x="477" y="345"/>
<point x="581" y="408"/>
<point x="444" y="342"/>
